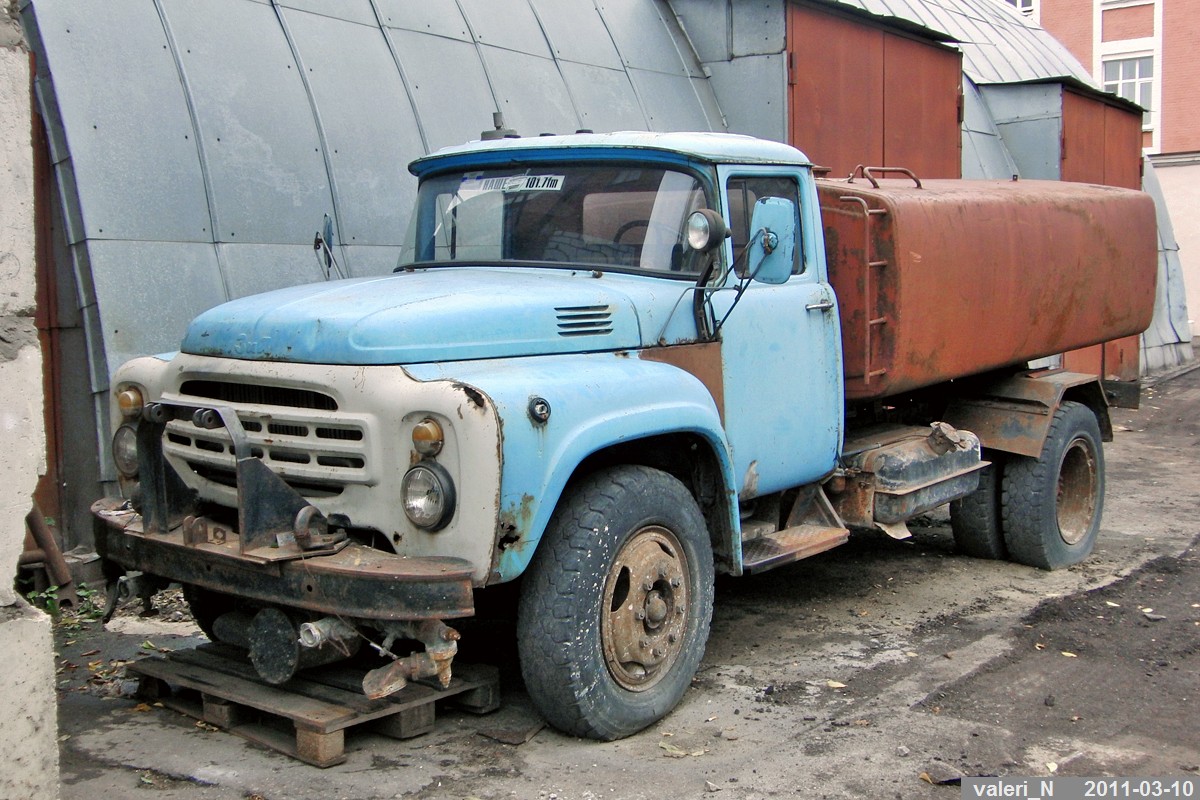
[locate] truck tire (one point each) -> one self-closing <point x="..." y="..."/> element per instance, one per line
<point x="616" y="605"/>
<point x="1052" y="504"/>
<point x="975" y="519"/>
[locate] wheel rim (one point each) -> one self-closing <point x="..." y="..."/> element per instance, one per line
<point x="1077" y="491"/>
<point x="645" y="608"/>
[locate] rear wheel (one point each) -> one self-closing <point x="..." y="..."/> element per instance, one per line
<point x="615" y="607"/>
<point x="975" y="519"/>
<point x="1052" y="504"/>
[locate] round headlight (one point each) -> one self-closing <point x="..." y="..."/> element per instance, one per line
<point x="129" y="401"/>
<point x="427" y="437"/>
<point x="125" y="450"/>
<point x="705" y="230"/>
<point x="428" y="496"/>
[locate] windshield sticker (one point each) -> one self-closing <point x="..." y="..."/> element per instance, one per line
<point x="513" y="183"/>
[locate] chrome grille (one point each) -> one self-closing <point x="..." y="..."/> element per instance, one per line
<point x="314" y="450"/>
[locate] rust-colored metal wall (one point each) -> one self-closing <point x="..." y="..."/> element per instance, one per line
<point x="835" y="96"/>
<point x="1101" y="143"/>
<point x="860" y="93"/>
<point x="959" y="277"/>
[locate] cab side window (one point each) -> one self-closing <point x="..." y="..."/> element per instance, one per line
<point x="743" y="192"/>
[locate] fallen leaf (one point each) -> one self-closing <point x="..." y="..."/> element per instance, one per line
<point x="140" y="708"/>
<point x="1039" y="646"/>
<point x="672" y="750"/>
<point x="941" y="775"/>
<point x="678" y="752"/>
<point x="204" y="726"/>
<point x="911" y="654"/>
<point x="835" y="684"/>
<point x="88" y="653"/>
<point x="1069" y="654"/>
<point x="1051" y="767"/>
<point x="1111" y="604"/>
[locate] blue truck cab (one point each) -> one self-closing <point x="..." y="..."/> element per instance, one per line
<point x="608" y="365"/>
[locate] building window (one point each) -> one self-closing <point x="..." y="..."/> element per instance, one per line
<point x="1133" y="79"/>
<point x="1024" y="6"/>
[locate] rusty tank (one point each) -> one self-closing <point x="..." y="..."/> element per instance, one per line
<point x="947" y="278"/>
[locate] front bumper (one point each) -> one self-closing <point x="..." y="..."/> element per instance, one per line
<point x="357" y="581"/>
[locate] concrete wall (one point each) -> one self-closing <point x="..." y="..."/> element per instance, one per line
<point x="1181" y="190"/>
<point x="29" y="726"/>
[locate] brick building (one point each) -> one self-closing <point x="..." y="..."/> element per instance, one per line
<point x="1144" y="50"/>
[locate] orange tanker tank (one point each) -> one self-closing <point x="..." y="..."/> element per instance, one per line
<point x="955" y="277"/>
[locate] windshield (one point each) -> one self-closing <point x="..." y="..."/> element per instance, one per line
<point x="592" y="215"/>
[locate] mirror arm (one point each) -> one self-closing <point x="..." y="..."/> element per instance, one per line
<point x="702" y="301"/>
<point x="743" y="282"/>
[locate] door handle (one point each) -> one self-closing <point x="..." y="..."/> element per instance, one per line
<point x="824" y="305"/>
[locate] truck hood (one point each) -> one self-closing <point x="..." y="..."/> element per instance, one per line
<point x="439" y="314"/>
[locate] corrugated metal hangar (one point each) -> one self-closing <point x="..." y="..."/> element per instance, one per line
<point x="189" y="152"/>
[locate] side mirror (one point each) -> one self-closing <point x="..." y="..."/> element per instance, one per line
<point x="772" y="241"/>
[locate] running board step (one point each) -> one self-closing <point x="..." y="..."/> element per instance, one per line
<point x="790" y="544"/>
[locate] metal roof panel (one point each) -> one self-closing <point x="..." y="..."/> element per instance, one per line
<point x="999" y="44"/>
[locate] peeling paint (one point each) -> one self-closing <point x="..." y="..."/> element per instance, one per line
<point x="15" y="334"/>
<point x="474" y="396"/>
<point x="514" y="523"/>
<point x="750" y="482"/>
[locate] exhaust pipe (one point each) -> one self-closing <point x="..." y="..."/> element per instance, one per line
<point x="329" y="630"/>
<point x="279" y="647"/>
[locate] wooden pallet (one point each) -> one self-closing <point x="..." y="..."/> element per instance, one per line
<point x="320" y="704"/>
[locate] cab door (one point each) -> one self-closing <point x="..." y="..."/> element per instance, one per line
<point x="781" y="344"/>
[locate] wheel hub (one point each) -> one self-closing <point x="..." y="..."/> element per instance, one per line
<point x="1077" y="491"/>
<point x="645" y="608"/>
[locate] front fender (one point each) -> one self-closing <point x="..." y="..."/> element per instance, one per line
<point x="596" y="400"/>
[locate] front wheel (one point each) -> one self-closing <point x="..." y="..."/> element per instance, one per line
<point x="1052" y="504"/>
<point x="615" y="607"/>
<point x="206" y="606"/>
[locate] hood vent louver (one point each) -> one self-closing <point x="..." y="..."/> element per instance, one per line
<point x="584" y="320"/>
